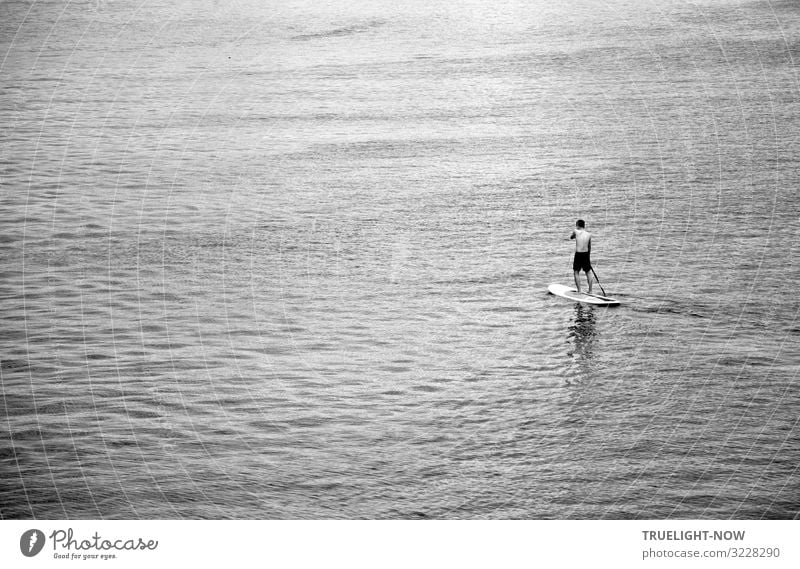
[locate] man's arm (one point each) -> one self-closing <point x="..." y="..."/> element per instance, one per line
<point x="572" y="235"/>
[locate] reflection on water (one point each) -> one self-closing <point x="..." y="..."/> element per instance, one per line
<point x="582" y="333"/>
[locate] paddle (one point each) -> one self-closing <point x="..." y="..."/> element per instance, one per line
<point x="589" y="248"/>
<point x="598" y="282"/>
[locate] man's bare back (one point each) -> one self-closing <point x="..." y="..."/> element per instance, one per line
<point x="582" y="240"/>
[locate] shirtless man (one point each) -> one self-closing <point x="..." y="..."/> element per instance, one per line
<point x="583" y="246"/>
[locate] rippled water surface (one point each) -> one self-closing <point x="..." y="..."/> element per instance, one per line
<point x="290" y="260"/>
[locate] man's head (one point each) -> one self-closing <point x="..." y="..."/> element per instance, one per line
<point x="580" y="224"/>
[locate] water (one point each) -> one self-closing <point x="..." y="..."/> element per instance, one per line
<point x="290" y="261"/>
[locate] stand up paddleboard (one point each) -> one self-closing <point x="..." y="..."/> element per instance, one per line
<point x="572" y="294"/>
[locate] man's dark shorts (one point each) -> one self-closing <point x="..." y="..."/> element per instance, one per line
<point x="581" y="262"/>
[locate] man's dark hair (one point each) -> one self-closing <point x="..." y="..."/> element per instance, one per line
<point x="580" y="223"/>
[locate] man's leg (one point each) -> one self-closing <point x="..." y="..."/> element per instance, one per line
<point x="577" y="282"/>
<point x="589" y="280"/>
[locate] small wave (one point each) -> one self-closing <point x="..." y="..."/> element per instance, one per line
<point x="341" y="31"/>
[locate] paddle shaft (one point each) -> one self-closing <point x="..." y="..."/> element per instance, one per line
<point x="598" y="282"/>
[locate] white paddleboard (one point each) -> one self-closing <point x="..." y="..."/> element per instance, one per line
<point x="572" y="294"/>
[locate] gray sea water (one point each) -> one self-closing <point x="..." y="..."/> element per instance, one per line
<point x="290" y="259"/>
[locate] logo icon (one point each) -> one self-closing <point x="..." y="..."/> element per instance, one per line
<point x="31" y="542"/>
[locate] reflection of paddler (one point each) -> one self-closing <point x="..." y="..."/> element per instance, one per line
<point x="583" y="332"/>
<point x="583" y="247"/>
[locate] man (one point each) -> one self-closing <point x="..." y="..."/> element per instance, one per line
<point x="583" y="246"/>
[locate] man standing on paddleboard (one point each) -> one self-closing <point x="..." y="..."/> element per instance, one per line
<point x="583" y="246"/>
